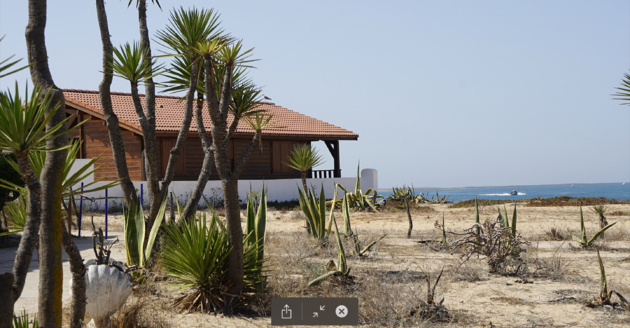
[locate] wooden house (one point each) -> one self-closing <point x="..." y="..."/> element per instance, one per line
<point x="264" y="163"/>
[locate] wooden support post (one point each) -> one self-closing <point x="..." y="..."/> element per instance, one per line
<point x="333" y="147"/>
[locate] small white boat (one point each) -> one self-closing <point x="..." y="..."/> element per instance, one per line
<point x="514" y="193"/>
<point x="623" y="183"/>
<point x="572" y="186"/>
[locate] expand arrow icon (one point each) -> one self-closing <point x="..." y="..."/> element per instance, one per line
<point x="314" y="314"/>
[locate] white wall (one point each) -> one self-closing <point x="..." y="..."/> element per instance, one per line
<point x="277" y="190"/>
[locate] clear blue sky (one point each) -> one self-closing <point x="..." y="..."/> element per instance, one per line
<point x="442" y="93"/>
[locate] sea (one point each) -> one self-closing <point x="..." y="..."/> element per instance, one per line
<point x="619" y="191"/>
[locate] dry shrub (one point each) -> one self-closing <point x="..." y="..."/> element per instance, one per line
<point x="470" y="271"/>
<point x="496" y="244"/>
<point x="555" y="267"/>
<point x="139" y="312"/>
<point x="555" y="233"/>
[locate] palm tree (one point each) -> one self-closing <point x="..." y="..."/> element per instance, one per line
<point x="304" y="158"/>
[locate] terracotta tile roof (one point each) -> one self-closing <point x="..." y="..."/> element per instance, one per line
<point x="169" y="114"/>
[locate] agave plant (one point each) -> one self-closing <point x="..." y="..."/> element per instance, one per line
<point x="358" y="200"/>
<point x="604" y="294"/>
<point x="135" y="234"/>
<point x="254" y="241"/>
<point x="315" y="212"/>
<point x="358" y="250"/>
<point x="340" y="268"/>
<point x="584" y="241"/>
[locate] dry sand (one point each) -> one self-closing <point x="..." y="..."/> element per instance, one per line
<point x="474" y="296"/>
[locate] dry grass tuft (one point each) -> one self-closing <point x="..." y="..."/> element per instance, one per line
<point x="140" y="312"/>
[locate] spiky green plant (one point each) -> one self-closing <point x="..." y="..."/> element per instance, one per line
<point x="4" y="67"/>
<point x="22" y="321"/>
<point x="604" y="294"/>
<point x="16" y="214"/>
<point x="584" y="241"/>
<point x="359" y="200"/>
<point x="315" y="211"/>
<point x="360" y="252"/>
<point x="345" y="210"/>
<point x="303" y="158"/>
<point x="341" y="267"/>
<point x="37" y="160"/>
<point x="135" y="235"/>
<point x="195" y="258"/>
<point x="256" y="227"/>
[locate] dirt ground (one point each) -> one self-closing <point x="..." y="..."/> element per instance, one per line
<point x="390" y="281"/>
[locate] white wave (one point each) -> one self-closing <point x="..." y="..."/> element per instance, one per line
<point x="504" y="194"/>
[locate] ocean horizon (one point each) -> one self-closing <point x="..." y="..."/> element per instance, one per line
<point x="619" y="191"/>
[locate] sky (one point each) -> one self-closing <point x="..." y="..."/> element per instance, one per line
<point x="441" y="93"/>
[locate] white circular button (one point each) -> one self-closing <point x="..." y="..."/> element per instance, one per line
<point x="341" y="311"/>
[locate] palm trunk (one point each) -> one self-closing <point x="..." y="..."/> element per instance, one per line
<point x="602" y="224"/>
<point x="115" y="137"/>
<point x="6" y="293"/>
<point x="235" y="237"/>
<point x="77" y="268"/>
<point x="206" y="168"/>
<point x="50" y="237"/>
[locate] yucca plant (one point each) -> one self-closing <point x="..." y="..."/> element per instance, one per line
<point x="584" y="241"/>
<point x="601" y="210"/>
<point x="303" y="158"/>
<point x="341" y="267"/>
<point x="22" y="321"/>
<point x="135" y="235"/>
<point x="315" y="211"/>
<point x="195" y="258"/>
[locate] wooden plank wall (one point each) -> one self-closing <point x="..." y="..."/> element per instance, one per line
<point x="265" y="163"/>
<point x="96" y="141"/>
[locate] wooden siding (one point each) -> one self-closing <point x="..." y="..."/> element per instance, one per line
<point x="96" y="142"/>
<point x="265" y="163"/>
